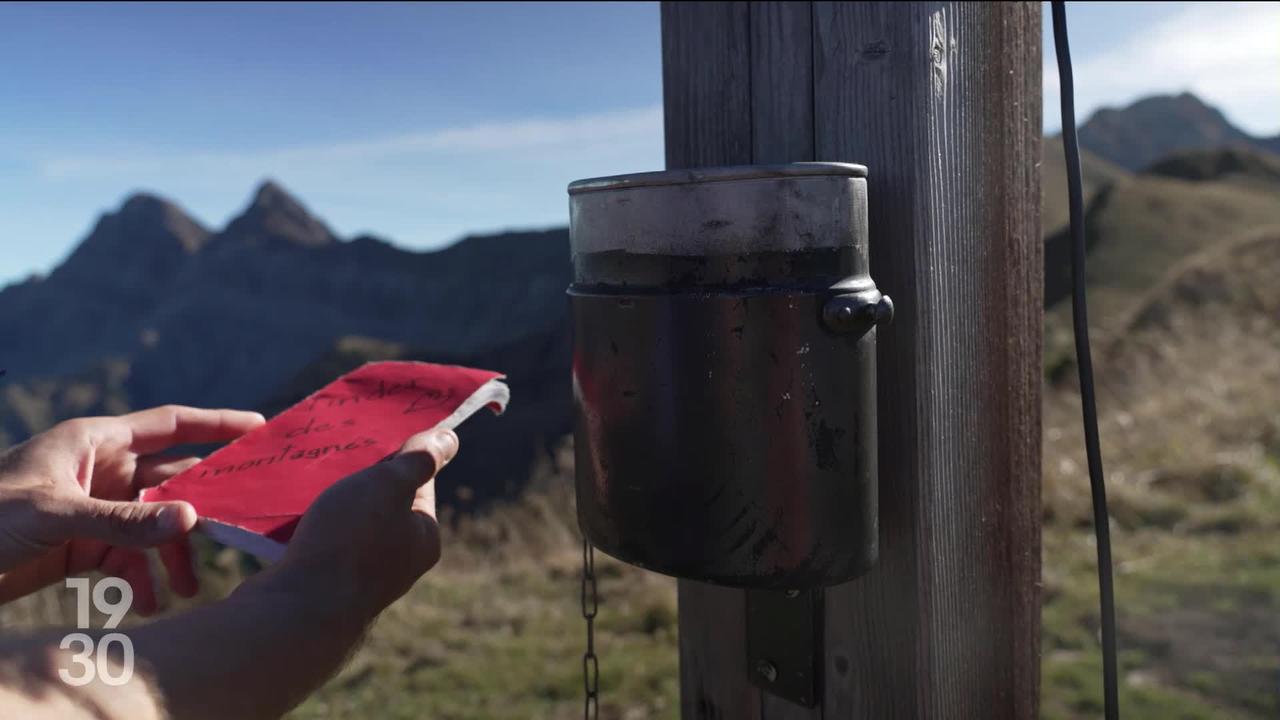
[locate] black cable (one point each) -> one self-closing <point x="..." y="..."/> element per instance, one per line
<point x="1084" y="361"/>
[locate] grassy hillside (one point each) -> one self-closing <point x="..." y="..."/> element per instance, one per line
<point x="1096" y="173"/>
<point x="1142" y="227"/>
<point x="32" y="405"/>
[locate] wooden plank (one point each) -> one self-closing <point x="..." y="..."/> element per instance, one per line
<point x="781" y="82"/>
<point x="713" y="654"/>
<point x="1015" y="339"/>
<point x="707" y="111"/>
<point x="941" y="101"/>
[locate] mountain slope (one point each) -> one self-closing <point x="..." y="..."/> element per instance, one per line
<point x="1139" y="229"/>
<point x="87" y="309"/>
<point x="1244" y="166"/>
<point x="265" y="311"/>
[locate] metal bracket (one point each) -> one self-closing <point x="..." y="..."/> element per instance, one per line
<point x="855" y="313"/>
<point x="784" y="643"/>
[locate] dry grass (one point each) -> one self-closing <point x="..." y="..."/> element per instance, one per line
<point x="1141" y="231"/>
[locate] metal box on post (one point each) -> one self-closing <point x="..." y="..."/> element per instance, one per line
<point x="724" y="372"/>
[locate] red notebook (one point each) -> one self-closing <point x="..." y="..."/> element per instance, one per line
<point x="251" y="493"/>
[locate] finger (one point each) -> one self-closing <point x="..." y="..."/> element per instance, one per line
<point x="162" y="427"/>
<point x="132" y="524"/>
<point x="178" y="565"/>
<point x="130" y="565"/>
<point x="85" y="555"/>
<point x="155" y="469"/>
<point x="424" y="500"/>
<point x="113" y="562"/>
<point x="421" y="457"/>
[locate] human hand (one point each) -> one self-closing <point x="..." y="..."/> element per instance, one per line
<point x="370" y="536"/>
<point x="67" y="499"/>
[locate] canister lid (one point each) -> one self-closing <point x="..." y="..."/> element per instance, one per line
<point x="715" y="174"/>
<point x="722" y="211"/>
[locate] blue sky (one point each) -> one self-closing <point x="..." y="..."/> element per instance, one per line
<point x="421" y="123"/>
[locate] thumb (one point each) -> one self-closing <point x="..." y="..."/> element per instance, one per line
<point x="135" y="524"/>
<point x="422" y="456"/>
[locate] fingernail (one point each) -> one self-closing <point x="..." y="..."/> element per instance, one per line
<point x="169" y="520"/>
<point x="445" y="442"/>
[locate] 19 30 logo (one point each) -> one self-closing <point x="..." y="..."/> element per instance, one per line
<point x="93" y="660"/>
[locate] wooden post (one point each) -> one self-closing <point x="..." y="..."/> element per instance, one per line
<point x="941" y="100"/>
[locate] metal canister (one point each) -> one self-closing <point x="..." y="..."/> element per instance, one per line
<point x="724" y="372"/>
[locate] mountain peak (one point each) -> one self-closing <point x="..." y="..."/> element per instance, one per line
<point x="271" y="195"/>
<point x="146" y="234"/>
<point x="144" y="214"/>
<point x="274" y="215"/>
<point x="1185" y="99"/>
<point x="1153" y="127"/>
<point x="143" y="202"/>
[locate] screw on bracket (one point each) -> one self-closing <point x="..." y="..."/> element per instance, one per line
<point x="784" y="643"/>
<point x="856" y="313"/>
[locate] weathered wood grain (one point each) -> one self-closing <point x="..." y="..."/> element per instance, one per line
<point x="713" y="654"/>
<point x="706" y="83"/>
<point x="941" y="101"/>
<point x="781" y="36"/>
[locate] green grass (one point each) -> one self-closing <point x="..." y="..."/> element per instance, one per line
<point x="1073" y="689"/>
<point x="1196" y="624"/>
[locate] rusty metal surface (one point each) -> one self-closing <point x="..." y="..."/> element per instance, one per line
<point x="727" y="437"/>
<point x="725" y="392"/>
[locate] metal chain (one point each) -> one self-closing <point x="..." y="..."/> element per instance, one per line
<point x="590" y="663"/>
